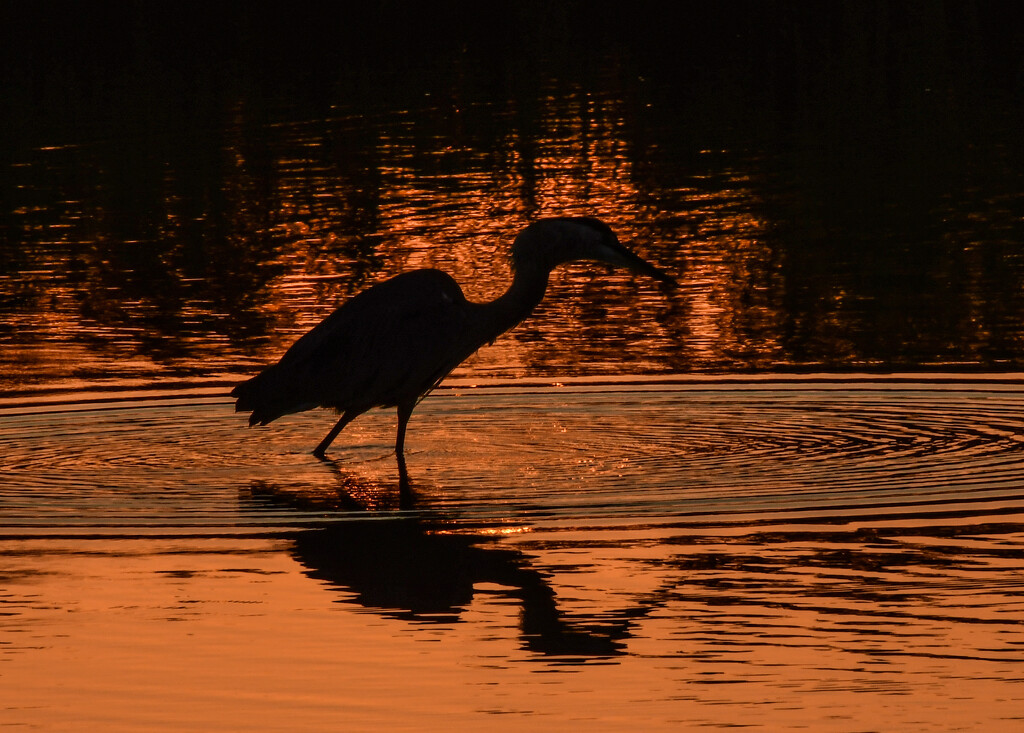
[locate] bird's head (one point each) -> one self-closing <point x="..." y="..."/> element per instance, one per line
<point x="551" y="242"/>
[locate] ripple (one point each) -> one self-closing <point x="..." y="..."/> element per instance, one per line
<point x="776" y="535"/>
<point x="833" y="451"/>
<point x="679" y="450"/>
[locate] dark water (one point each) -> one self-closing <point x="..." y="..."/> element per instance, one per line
<point x="170" y="214"/>
<point x="787" y="495"/>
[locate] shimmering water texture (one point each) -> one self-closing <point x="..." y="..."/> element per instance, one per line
<point x="654" y="554"/>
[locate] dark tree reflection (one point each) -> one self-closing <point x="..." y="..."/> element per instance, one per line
<point x="181" y="193"/>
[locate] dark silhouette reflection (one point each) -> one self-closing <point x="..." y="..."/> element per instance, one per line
<point x="421" y="566"/>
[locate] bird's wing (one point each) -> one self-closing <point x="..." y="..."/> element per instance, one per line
<point x="390" y="344"/>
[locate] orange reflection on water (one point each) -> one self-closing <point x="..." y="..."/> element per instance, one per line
<point x="307" y="213"/>
<point x="114" y="635"/>
<point x="713" y="551"/>
<point x="462" y="219"/>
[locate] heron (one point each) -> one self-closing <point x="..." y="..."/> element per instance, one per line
<point x="393" y="343"/>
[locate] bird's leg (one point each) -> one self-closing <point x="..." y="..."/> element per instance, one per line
<point x="320" y="449"/>
<point x="404" y="412"/>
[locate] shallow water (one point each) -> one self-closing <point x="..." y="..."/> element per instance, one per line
<point x="770" y="552"/>
<point x="596" y="536"/>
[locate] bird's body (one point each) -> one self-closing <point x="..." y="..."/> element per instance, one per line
<point x="393" y="343"/>
<point x="382" y="326"/>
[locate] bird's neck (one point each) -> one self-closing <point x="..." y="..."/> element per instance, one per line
<point x="523" y="295"/>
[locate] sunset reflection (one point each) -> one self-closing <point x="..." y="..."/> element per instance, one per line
<point x="788" y="494"/>
<point x="198" y="262"/>
<point x="564" y="551"/>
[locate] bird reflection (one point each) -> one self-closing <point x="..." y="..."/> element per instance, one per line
<point x="420" y="566"/>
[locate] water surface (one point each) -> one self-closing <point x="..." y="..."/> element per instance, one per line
<point x="196" y="223"/>
<point x="710" y="552"/>
<point x="787" y="495"/>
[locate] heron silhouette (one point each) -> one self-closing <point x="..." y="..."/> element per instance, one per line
<point x="393" y="343"/>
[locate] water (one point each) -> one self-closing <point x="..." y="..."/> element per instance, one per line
<point x="842" y="554"/>
<point x="786" y="496"/>
<point x="153" y="239"/>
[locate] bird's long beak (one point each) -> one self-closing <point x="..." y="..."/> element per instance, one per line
<point x="642" y="266"/>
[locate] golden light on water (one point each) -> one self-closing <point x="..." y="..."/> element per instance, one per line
<point x="462" y="223"/>
<point x="752" y="501"/>
<point x="183" y="279"/>
<point x="577" y="551"/>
